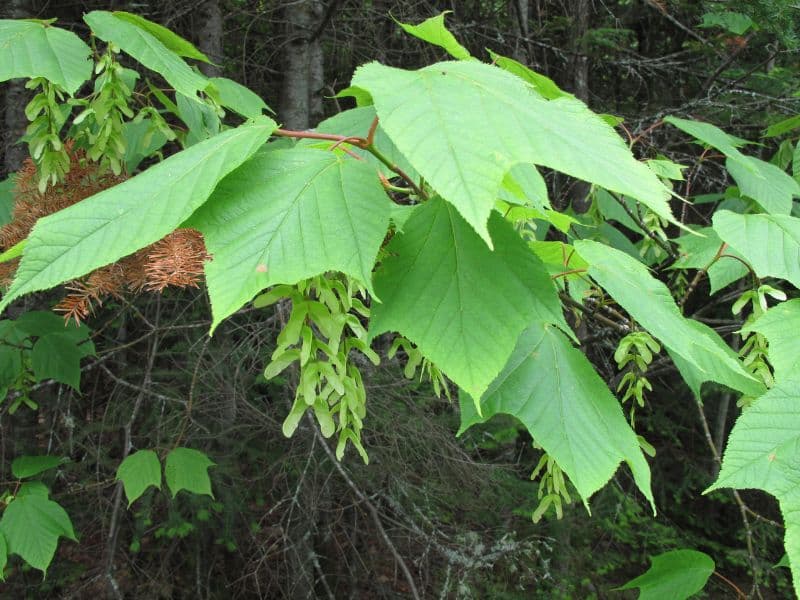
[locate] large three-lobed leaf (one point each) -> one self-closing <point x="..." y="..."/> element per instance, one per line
<point x="120" y="220"/>
<point x="288" y="215"/>
<point x="463" y="125"/>
<point x="552" y="388"/>
<point x="462" y="304"/>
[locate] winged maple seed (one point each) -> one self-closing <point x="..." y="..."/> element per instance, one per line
<point x="174" y="261"/>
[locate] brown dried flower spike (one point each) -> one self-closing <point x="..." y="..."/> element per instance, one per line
<point x="176" y="260"/>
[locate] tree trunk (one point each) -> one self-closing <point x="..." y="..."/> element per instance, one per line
<point x="210" y="38"/>
<point x="579" y="192"/>
<point x="301" y="101"/>
<point x="16" y="99"/>
<point x="519" y="11"/>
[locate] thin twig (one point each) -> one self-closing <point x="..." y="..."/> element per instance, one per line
<point x="370" y="507"/>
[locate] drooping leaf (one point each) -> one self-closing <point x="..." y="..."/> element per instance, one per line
<point x="147" y="49"/>
<point x="142" y="139"/>
<point x="34" y="49"/>
<point x="138" y="472"/>
<point x="127" y="217"/>
<point x="10" y="366"/>
<point x="463" y="305"/>
<point x="650" y="303"/>
<point x="288" y="215"/>
<point x="170" y="39"/>
<point x="673" y="575"/>
<point x="552" y="388"/>
<point x="434" y="32"/>
<point x="39" y="323"/>
<point x="763" y="452"/>
<point x="765" y="183"/>
<point x="238" y="98"/>
<point x="28" y="466"/>
<point x="187" y="469"/>
<point x="697" y="250"/>
<point x="780" y="325"/>
<point x="463" y="125"/>
<point x="54" y="356"/>
<point x="770" y="243"/>
<point x="31" y="525"/>
<point x="784" y="126"/>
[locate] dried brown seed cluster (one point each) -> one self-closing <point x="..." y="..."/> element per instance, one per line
<point x="176" y="260"/>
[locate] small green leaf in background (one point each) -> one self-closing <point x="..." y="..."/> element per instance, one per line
<point x="170" y="39"/>
<point x="54" y="357"/>
<point x="28" y="466"/>
<point x="10" y="365"/>
<point x="138" y="472"/>
<point x="673" y="575"/>
<point x="734" y="22"/>
<point x="434" y="32"/>
<point x="32" y="524"/>
<point x="3" y="557"/>
<point x="6" y="200"/>
<point x="187" y="469"/>
<point x="237" y="97"/>
<point x="770" y="243"/>
<point x="33" y="49"/>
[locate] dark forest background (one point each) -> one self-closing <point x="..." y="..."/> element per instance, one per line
<point x="286" y="522"/>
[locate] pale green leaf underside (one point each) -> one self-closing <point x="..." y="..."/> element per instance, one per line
<point x="138" y="472"/>
<point x="29" y="49"/>
<point x="763" y="452"/>
<point x="32" y="524"/>
<point x="770" y="243"/>
<point x="781" y="325"/>
<point x="673" y="575"/>
<point x="187" y="469"/>
<point x="555" y="392"/>
<point x="120" y="220"/>
<point x="287" y="215"/>
<point x="462" y="304"/>
<point x="765" y="183"/>
<point x="711" y="135"/>
<point x="463" y="125"/>
<point x="650" y="303"/>
<point x="146" y="49"/>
